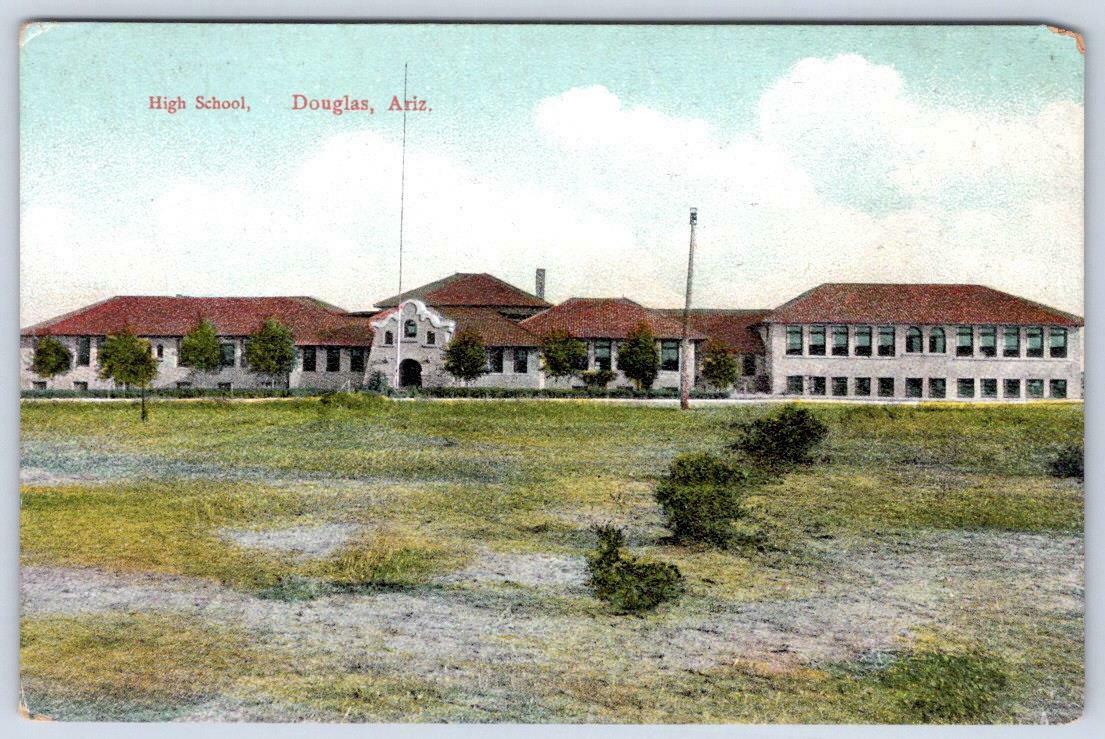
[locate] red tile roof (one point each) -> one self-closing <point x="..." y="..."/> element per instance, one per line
<point x="311" y="321"/>
<point x="604" y="318"/>
<point x="734" y="328"/>
<point x="916" y="303"/>
<point x="494" y="329"/>
<point x="467" y="288"/>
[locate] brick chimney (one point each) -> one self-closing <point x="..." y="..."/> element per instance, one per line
<point x="539" y="290"/>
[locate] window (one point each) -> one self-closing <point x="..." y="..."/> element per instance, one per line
<point x="410" y="330"/>
<point x="748" y="365"/>
<point x="794" y="339"/>
<point x="183" y="385"/>
<point x="795" y="385"/>
<point x="224" y="386"/>
<point x="495" y="360"/>
<point x="669" y="355"/>
<point x="83" y="387"/>
<point x="160" y="351"/>
<point x="914" y="341"/>
<point x="521" y="361"/>
<point x="1056" y="388"/>
<point x="1011" y="341"/>
<point x="389" y="338"/>
<point x="602" y="354"/>
<point x="863" y="341"/>
<point x="886" y="341"/>
<point x="1058" y="338"/>
<point x="39" y="384"/>
<point x="356" y="359"/>
<point x="862" y="386"/>
<point x="431" y="338"/>
<point x="84" y="351"/>
<point x="886" y="387"/>
<point x="817" y="341"/>
<point x="581" y="362"/>
<point x="965" y="341"/>
<point x="840" y="341"/>
<point x="310" y="359"/>
<point x="938" y="387"/>
<point x="913" y="386"/>
<point x="937" y="341"/>
<point x="1035" y="388"/>
<point x="988" y="341"/>
<point x="1034" y="340"/>
<point x="226" y="358"/>
<point x="840" y="386"/>
<point x="1012" y="388"/>
<point x="817" y="386"/>
<point x="333" y="359"/>
<point x="988" y="388"/>
<point x="965" y="388"/>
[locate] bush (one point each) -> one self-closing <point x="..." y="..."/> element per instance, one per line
<point x="597" y="379"/>
<point x="941" y="686"/>
<point x="694" y="468"/>
<point x="377" y="383"/>
<point x="630" y="584"/>
<point x="787" y="436"/>
<point x="706" y="513"/>
<point x="1068" y="462"/>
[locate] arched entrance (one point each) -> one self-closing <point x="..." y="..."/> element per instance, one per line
<point x="410" y="373"/>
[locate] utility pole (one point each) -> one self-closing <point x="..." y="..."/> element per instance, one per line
<point x="686" y="377"/>
<point x="402" y="201"/>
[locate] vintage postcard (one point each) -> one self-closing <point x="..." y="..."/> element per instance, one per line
<point x="654" y="374"/>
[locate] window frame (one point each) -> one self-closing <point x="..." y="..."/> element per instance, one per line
<point x="357" y="357"/>
<point x="84" y="351"/>
<point x="888" y="349"/>
<point x="914" y="337"/>
<point x="1053" y="384"/>
<point x="333" y="352"/>
<point x="861" y="387"/>
<point x="839" y="349"/>
<point x="520" y="353"/>
<point x="495" y="364"/>
<point x="223" y="360"/>
<point x="312" y="352"/>
<point x="1031" y="333"/>
<point x="604" y="362"/>
<point x="988" y="333"/>
<point x="961" y="386"/>
<point x="1053" y="333"/>
<point x="934" y="333"/>
<point x="943" y="385"/>
<point x="389" y="338"/>
<point x="796" y="381"/>
<point x="431" y="338"/>
<point x="818" y="349"/>
<point x="1005" y="385"/>
<point x="410" y="329"/>
<point x="914" y="387"/>
<point x="868" y="334"/>
<point x="1030" y="383"/>
<point x="982" y="387"/>
<point x="883" y="385"/>
<point x="836" y="384"/>
<point x="666" y="362"/>
<point x="961" y="349"/>
<point x="793" y="349"/>
<point x="818" y="385"/>
<point x="1013" y="332"/>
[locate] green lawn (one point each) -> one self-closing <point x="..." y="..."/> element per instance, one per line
<point x="898" y="498"/>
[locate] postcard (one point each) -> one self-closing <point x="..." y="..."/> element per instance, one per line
<point x="637" y="374"/>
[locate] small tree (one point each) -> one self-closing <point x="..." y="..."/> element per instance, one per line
<point x="200" y="348"/>
<point x="271" y="351"/>
<point x="638" y="358"/>
<point x="719" y="366"/>
<point x="51" y="358"/>
<point x="465" y="356"/>
<point x="128" y="360"/>
<point x="787" y="436"/>
<point x="563" y="354"/>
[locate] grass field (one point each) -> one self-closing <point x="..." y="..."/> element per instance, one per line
<point x="211" y="564"/>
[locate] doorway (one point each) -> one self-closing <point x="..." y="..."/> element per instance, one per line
<point x="410" y="373"/>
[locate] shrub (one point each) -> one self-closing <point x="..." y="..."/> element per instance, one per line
<point x="719" y="366"/>
<point x="704" y="512"/>
<point x="597" y="379"/>
<point x="563" y="354"/>
<point x="1068" y="462"/>
<point x="702" y="467"/>
<point x="786" y="436"/>
<point x="638" y="357"/>
<point x="377" y="383"/>
<point x="51" y="358"/>
<point x="630" y="584"/>
<point x="947" y="686"/>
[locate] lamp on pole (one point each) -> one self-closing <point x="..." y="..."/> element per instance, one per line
<point x="685" y="365"/>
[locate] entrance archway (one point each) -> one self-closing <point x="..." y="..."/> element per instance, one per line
<point x="410" y="373"/>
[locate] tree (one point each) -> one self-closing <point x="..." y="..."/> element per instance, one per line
<point x="719" y="366"/>
<point x="128" y="360"/>
<point x="271" y="351"/>
<point x="200" y="348"/>
<point x="465" y="356"/>
<point x="638" y="357"/>
<point x="563" y="354"/>
<point x="51" y="358"/>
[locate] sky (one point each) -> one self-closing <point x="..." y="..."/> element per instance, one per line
<point x="813" y="154"/>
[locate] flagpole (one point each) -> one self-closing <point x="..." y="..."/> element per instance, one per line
<point x="402" y="202"/>
<point x="685" y="346"/>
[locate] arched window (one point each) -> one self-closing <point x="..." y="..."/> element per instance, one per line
<point x="937" y="341"/>
<point x="410" y="330"/>
<point x="389" y="338"/>
<point x="914" y="342"/>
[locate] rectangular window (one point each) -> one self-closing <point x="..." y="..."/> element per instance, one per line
<point x="224" y="386"/>
<point x="226" y="357"/>
<point x="914" y="340"/>
<point x="794" y="339"/>
<point x="862" y="386"/>
<point x="310" y="359"/>
<point x="840" y="341"/>
<point x="863" y="341"/>
<point x="521" y="361"/>
<point x="83" y="387"/>
<point x="795" y="385"/>
<point x="965" y="343"/>
<point x="495" y="360"/>
<point x="817" y="386"/>
<point x="938" y="387"/>
<point x="1011" y="338"/>
<point x="431" y="338"/>
<point x="988" y="341"/>
<point x="886" y="341"/>
<point x="1056" y="388"/>
<point x="160" y="351"/>
<point x="817" y="341"/>
<point x="748" y="365"/>
<point x="1058" y="337"/>
<point x="1012" y="388"/>
<point x="602" y="354"/>
<point x="669" y="355"/>
<point x="84" y="351"/>
<point x="1034" y="341"/>
<point x="913" y="387"/>
<point x="988" y="387"/>
<point x="965" y="388"/>
<point x="356" y="359"/>
<point x="886" y="387"/>
<point x="840" y="386"/>
<point x="333" y="359"/>
<point x="1035" y="388"/>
